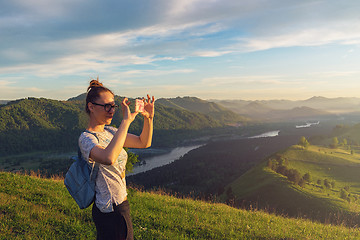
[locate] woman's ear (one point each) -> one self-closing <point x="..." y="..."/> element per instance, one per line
<point x="90" y="106"/>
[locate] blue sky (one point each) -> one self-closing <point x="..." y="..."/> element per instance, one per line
<point x="213" y="49"/>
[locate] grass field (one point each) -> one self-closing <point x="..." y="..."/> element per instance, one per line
<point x="36" y="208"/>
<point x="266" y="189"/>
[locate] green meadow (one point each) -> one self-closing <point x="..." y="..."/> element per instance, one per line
<point x="35" y="208"/>
<point x="331" y="195"/>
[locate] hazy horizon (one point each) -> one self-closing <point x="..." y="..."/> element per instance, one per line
<point x="210" y="99"/>
<point x="249" y="50"/>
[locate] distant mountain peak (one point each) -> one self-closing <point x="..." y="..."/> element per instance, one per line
<point x="256" y="104"/>
<point x="79" y="97"/>
<point x="195" y="104"/>
<point x="317" y="98"/>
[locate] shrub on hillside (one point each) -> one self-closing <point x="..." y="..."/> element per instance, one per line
<point x="327" y="183"/>
<point x="307" y="177"/>
<point x="302" y="182"/>
<point x="279" y="165"/>
<point x="335" y="142"/>
<point x="294" y="176"/>
<point x="303" y="142"/>
<point x="345" y="195"/>
<point x="283" y="170"/>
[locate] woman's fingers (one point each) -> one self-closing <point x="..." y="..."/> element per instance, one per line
<point x="149" y="99"/>
<point x="126" y="102"/>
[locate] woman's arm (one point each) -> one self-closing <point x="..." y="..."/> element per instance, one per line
<point x="109" y="154"/>
<point x="145" y="138"/>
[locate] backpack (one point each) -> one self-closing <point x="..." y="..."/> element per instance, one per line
<point x="80" y="179"/>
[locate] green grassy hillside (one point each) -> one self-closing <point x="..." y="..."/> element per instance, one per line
<point x="336" y="201"/>
<point x="35" y="208"/>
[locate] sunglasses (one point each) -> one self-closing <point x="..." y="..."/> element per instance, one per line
<point x="107" y="107"/>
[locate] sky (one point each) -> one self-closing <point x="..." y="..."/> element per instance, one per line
<point x="211" y="49"/>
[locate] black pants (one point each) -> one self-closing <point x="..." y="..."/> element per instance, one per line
<point x="115" y="225"/>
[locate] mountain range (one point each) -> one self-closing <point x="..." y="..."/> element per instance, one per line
<point x="211" y="109"/>
<point x="39" y="119"/>
<point x="36" y="123"/>
<point x="331" y="105"/>
<point x="275" y="110"/>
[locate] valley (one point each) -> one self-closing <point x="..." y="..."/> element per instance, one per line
<point x="204" y="151"/>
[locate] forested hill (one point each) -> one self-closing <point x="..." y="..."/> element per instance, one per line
<point x="35" y="124"/>
<point x="211" y="109"/>
<point x="196" y="105"/>
<point x="41" y="113"/>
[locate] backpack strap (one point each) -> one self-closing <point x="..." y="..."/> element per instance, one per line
<point x="96" y="165"/>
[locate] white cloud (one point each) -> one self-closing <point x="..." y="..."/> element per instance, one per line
<point x="5" y="83"/>
<point x="247" y="80"/>
<point x="121" y="82"/>
<point x="334" y="74"/>
<point x="158" y="91"/>
<point x="305" y="37"/>
<point x="156" y="72"/>
<point x="181" y="7"/>
<point x="35" y="90"/>
<point x="86" y="63"/>
<point x="210" y="53"/>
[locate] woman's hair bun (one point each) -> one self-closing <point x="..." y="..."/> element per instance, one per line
<point x="94" y="83"/>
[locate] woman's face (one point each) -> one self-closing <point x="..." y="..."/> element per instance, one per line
<point x="98" y="112"/>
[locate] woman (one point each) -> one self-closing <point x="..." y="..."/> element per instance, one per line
<point x="111" y="212"/>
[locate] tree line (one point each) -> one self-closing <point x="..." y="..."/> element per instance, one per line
<point x="40" y="124"/>
<point x="279" y="164"/>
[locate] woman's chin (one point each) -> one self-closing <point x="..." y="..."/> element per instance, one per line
<point x="108" y="121"/>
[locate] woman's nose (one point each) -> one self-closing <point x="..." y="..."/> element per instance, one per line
<point x="112" y="110"/>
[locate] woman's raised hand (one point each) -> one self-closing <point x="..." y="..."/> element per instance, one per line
<point x="149" y="107"/>
<point x="127" y="114"/>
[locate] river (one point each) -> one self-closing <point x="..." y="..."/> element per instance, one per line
<point x="267" y="134"/>
<point x="163" y="159"/>
<point x="308" y="124"/>
<point x="160" y="160"/>
<point x="176" y="153"/>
